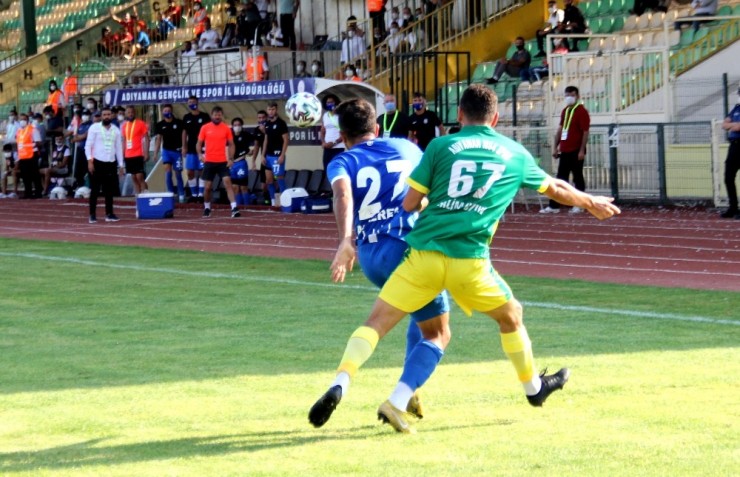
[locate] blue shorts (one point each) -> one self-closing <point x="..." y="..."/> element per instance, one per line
<point x="278" y="170"/>
<point x="173" y="158"/>
<point x="378" y="260"/>
<point x="239" y="172"/>
<point x="192" y="162"/>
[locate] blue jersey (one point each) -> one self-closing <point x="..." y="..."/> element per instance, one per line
<point x="735" y="118"/>
<point x="377" y="171"/>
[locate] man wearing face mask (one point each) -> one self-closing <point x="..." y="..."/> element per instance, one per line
<point x="91" y="105"/>
<point x="259" y="139"/>
<point x="553" y="22"/>
<point x="731" y="124"/>
<point x="513" y="66"/>
<point x="317" y="71"/>
<point x="393" y="123"/>
<point x="29" y="142"/>
<point x="353" y="45"/>
<point x="169" y="138"/>
<point x="59" y="161"/>
<point x="216" y="141"/>
<point x="331" y="141"/>
<point x="350" y="73"/>
<point x="55" y="99"/>
<point x="573" y="22"/>
<point x="569" y="146"/>
<point x="424" y="125"/>
<point x="135" y="148"/>
<point x="300" y="70"/>
<point x="11" y="127"/>
<point x="78" y="138"/>
<point x="104" y="152"/>
<point x="193" y="121"/>
<point x="243" y="145"/>
<point x="274" y="149"/>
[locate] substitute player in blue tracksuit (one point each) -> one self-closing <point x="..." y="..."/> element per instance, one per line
<point x="369" y="184"/>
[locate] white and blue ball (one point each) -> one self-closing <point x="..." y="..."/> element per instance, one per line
<point x="303" y="110"/>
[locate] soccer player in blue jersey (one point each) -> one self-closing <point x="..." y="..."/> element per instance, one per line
<point x="369" y="185"/>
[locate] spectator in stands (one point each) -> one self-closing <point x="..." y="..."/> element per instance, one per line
<point x="394" y="16"/>
<point x="247" y="25"/>
<point x="168" y="134"/>
<point x="424" y="125"/>
<point x="275" y="35"/>
<point x="54" y="124"/>
<point x="11" y="169"/>
<point x="537" y="73"/>
<point x="396" y="40"/>
<point x="573" y="22"/>
<point x="317" y="69"/>
<point x="353" y="45"/>
<point x="105" y="44"/>
<point x="29" y="142"/>
<point x="128" y="22"/>
<point x="553" y="22"/>
<point x="702" y="8"/>
<point x="229" y="34"/>
<point x="288" y="10"/>
<point x="209" y="39"/>
<point x="519" y="61"/>
<point x="255" y="66"/>
<point x="376" y="11"/>
<point x="331" y="140"/>
<point x="300" y="70"/>
<point x="731" y="124"/>
<point x="378" y="35"/>
<point x="350" y="73"/>
<point x="69" y="85"/>
<point x="187" y="49"/>
<point x="142" y="43"/>
<point x="431" y="27"/>
<point x="58" y="163"/>
<point x="243" y="145"/>
<point x="92" y="105"/>
<point x="407" y="18"/>
<point x="173" y="14"/>
<point x="393" y="123"/>
<point x="641" y="6"/>
<point x="200" y="15"/>
<point x="56" y="99"/>
<point x="569" y="146"/>
<point x="37" y="120"/>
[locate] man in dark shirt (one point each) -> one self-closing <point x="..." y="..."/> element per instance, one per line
<point x="518" y="62"/>
<point x="259" y="139"/>
<point x="243" y="144"/>
<point x="274" y="150"/>
<point x="169" y="138"/>
<point x="423" y="124"/>
<point x="573" y="22"/>
<point x="192" y="122"/>
<point x="393" y="123"/>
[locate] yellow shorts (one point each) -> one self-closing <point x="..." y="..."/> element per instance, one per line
<point x="472" y="282"/>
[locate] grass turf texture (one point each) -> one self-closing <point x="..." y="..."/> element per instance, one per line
<point x="123" y="361"/>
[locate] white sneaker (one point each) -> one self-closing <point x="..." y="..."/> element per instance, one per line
<point x="549" y="210"/>
<point x="575" y="210"/>
<point x="2" y="196"/>
<point x="12" y="195"/>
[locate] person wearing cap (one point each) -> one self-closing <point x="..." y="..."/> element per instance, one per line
<point x="731" y="124"/>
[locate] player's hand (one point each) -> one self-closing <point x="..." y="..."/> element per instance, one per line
<point x="264" y="160"/>
<point x="91" y="167"/>
<point x="603" y="207"/>
<point x="281" y="158"/>
<point x="344" y="260"/>
<point x="581" y="155"/>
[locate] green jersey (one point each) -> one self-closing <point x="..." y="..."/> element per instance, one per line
<point x="470" y="178"/>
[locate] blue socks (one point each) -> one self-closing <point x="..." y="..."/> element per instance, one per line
<point x="413" y="336"/>
<point x="420" y="364"/>
<point x="271" y="189"/>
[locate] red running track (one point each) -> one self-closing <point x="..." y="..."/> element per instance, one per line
<point x="662" y="247"/>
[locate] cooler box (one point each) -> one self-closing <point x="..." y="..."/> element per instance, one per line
<point x="155" y="205"/>
<point x="292" y="199"/>
<point x="316" y="205"/>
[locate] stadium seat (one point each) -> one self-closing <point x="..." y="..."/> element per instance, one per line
<point x="304" y="175"/>
<point x="483" y="71"/>
<point x="290" y="177"/>
<point x="314" y="183"/>
<point x="325" y="189"/>
<point x="253" y="182"/>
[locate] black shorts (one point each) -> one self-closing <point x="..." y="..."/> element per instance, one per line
<point x="213" y="169"/>
<point x="43" y="163"/>
<point x="134" y="165"/>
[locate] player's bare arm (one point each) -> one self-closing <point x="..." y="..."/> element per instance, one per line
<point x="344" y="258"/>
<point x="599" y="206"/>
<point x="415" y="201"/>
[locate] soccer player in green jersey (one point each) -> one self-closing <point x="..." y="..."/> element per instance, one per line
<point x="463" y="185"/>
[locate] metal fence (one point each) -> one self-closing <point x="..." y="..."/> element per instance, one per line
<point x="650" y="163"/>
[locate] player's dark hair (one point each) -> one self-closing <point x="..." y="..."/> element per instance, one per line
<point x="7" y="147"/>
<point x="217" y="109"/>
<point x="262" y="111"/>
<point x="272" y="105"/>
<point x="192" y="96"/>
<point x="478" y="103"/>
<point x="239" y="120"/>
<point x="330" y="96"/>
<point x="571" y="89"/>
<point x="356" y="117"/>
<point x="418" y="94"/>
<point x="167" y="105"/>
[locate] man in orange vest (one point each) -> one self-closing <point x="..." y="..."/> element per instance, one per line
<point x="55" y="98"/>
<point x="255" y="67"/>
<point x="28" y="139"/>
<point x="69" y="85"/>
<point x="135" y="148"/>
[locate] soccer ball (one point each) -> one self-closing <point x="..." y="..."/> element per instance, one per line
<point x="303" y="110"/>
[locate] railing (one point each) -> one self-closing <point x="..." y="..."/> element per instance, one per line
<point x="12" y="58"/>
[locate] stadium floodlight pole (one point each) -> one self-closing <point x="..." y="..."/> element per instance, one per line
<point x="28" y="26"/>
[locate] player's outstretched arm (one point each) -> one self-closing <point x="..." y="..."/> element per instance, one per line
<point x="599" y="206"/>
<point x="344" y="259"/>
<point x="415" y="201"/>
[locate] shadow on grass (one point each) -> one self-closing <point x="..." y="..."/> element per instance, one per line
<point x="91" y="453"/>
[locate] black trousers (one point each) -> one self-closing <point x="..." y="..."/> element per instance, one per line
<point x="105" y="177"/>
<point x="330" y="154"/>
<point x="29" y="172"/>
<point x="79" y="166"/>
<point x="732" y="165"/>
<point x="569" y="164"/>
<point x="287" y="26"/>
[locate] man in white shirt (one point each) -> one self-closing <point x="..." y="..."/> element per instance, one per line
<point x="209" y="39"/>
<point x="104" y="152"/>
<point x="187" y="49"/>
<point x="352" y="46"/>
<point x="555" y="19"/>
<point x="395" y="38"/>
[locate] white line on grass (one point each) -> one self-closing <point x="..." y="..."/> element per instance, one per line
<point x="551" y="306"/>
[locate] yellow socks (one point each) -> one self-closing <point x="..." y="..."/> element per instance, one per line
<point x="359" y="348"/>
<point x="518" y="348"/>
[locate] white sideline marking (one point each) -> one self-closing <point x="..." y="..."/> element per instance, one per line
<point x="552" y="306"/>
